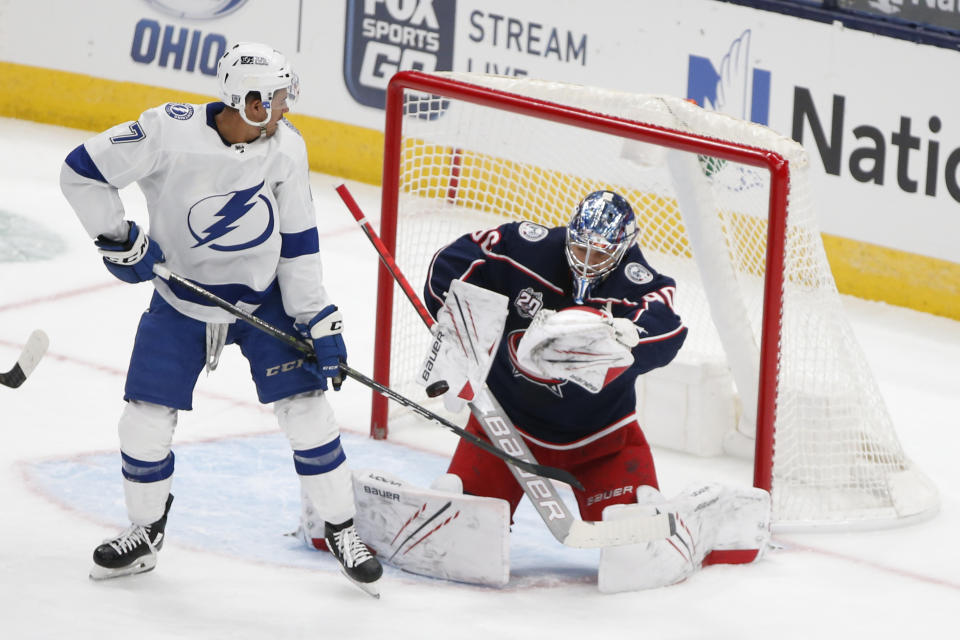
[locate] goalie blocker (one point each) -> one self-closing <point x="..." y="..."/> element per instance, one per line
<point x="466" y="337"/>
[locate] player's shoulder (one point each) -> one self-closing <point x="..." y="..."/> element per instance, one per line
<point x="636" y="273"/>
<point x="290" y="131"/>
<point x="174" y="112"/>
<point x="290" y="141"/>
<point x="171" y="115"/>
<point x="525" y="235"/>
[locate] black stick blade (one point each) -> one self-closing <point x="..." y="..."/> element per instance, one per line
<point x="13" y="378"/>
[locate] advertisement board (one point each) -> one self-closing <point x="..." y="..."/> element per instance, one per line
<point x="872" y="111"/>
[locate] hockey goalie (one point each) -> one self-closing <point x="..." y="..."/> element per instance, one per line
<point x="556" y="324"/>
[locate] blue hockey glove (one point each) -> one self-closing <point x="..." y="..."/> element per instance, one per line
<point x="131" y="259"/>
<point x="325" y="330"/>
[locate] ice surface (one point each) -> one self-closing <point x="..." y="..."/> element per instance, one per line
<point x="227" y="571"/>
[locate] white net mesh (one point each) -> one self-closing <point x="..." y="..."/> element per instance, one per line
<point x="703" y="220"/>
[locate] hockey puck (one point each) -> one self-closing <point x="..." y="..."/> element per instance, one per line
<point x="438" y="388"/>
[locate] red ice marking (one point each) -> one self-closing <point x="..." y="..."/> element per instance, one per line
<point x="114" y="371"/>
<point x="792" y="546"/>
<point x="59" y="296"/>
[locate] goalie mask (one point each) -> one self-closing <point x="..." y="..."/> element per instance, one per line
<point x="602" y="229"/>
<point x="248" y="66"/>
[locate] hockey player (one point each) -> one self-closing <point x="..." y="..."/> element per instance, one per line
<point x="595" y="263"/>
<point x="227" y="191"/>
<point x="586" y="315"/>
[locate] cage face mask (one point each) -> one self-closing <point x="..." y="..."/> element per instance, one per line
<point x="601" y="230"/>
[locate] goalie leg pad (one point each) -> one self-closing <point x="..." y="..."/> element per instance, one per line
<point x="741" y="522"/>
<point x="433" y="533"/>
<point x="648" y="565"/>
<point x="716" y="524"/>
<point x="731" y="524"/>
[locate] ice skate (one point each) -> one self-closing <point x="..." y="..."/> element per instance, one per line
<point x="133" y="551"/>
<point x="356" y="561"/>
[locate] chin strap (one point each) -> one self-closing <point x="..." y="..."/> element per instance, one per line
<point x="260" y="125"/>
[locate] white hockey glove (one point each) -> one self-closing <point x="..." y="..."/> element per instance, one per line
<point x="466" y="336"/>
<point x="583" y="345"/>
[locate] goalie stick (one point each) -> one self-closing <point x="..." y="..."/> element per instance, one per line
<point x="307" y="349"/>
<point x="33" y="350"/>
<point x="564" y="526"/>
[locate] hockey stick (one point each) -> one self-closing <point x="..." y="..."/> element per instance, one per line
<point x="564" y="526"/>
<point x="307" y="349"/>
<point x="36" y="346"/>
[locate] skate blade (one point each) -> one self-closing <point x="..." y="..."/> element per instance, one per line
<point x="370" y="588"/>
<point x="142" y="565"/>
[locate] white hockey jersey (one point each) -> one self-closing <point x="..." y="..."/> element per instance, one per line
<point x="236" y="219"/>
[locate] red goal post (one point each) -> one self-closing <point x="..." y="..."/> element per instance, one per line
<point x="465" y="152"/>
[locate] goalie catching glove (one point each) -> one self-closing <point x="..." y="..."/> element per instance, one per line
<point x="581" y="344"/>
<point x="466" y="337"/>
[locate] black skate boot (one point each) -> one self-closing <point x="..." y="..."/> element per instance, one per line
<point x="133" y="551"/>
<point x="356" y="561"/>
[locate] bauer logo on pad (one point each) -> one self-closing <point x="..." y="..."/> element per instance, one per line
<point x="385" y="37"/>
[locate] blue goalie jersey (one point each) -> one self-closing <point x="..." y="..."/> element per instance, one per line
<point x="526" y="262"/>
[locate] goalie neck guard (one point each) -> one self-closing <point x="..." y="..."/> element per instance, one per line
<point x="602" y="229"/>
<point x="250" y="67"/>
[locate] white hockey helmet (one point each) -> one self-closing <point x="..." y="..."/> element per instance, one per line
<point x="248" y="66"/>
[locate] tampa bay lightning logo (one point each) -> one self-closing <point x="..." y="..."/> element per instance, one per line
<point x="233" y="221"/>
<point x="179" y="111"/>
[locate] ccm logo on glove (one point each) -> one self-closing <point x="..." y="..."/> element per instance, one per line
<point x="324" y="331"/>
<point x="132" y="258"/>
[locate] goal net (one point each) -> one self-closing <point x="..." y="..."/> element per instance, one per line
<point x="770" y="367"/>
